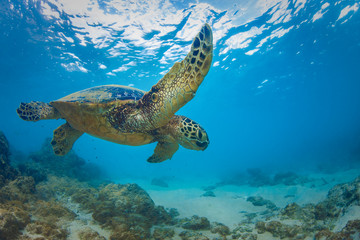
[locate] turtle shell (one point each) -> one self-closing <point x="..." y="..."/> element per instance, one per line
<point x="104" y="94"/>
<point x="86" y="112"/>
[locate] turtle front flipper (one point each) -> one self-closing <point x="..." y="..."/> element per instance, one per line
<point x="163" y="151"/>
<point x="64" y="138"/>
<point x="180" y="84"/>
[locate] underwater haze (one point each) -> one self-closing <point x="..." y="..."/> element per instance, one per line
<point x="282" y="94"/>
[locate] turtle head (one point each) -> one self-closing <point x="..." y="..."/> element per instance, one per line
<point x="190" y="134"/>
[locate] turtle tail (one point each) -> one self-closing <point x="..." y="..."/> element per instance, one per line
<point x="35" y="111"/>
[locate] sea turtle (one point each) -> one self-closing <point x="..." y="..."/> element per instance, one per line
<point x="129" y="116"/>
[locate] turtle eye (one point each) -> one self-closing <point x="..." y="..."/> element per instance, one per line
<point x="154" y="97"/>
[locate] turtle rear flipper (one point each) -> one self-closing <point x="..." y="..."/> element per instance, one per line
<point x="163" y="151"/>
<point x="64" y="138"/>
<point x="35" y="111"/>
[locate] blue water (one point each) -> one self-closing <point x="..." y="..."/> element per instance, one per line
<point x="283" y="92"/>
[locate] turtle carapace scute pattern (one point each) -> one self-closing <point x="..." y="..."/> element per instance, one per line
<point x="130" y="116"/>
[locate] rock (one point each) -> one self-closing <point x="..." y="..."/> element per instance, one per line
<point x="173" y="212"/>
<point x="159" y="182"/>
<point x="89" y="234"/>
<point x="12" y="220"/>
<point x="220" y="229"/>
<point x="326" y="210"/>
<point x="196" y="223"/>
<point x="186" y="235"/>
<point x="208" y="194"/>
<point x="278" y="229"/>
<point x="349" y="232"/>
<point x="20" y="189"/>
<point x="47" y="230"/>
<point x="34" y="170"/>
<point x="131" y="199"/>
<point x="124" y="232"/>
<point x="7" y="172"/>
<point x="260" y="201"/>
<point x="52" y="212"/>
<point x="247" y="236"/>
<point x="343" y="195"/>
<point x="294" y="211"/>
<point x="163" y="233"/>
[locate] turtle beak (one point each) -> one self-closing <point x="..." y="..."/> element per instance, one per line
<point x="202" y="145"/>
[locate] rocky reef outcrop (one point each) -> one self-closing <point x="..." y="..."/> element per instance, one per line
<point x="45" y="162"/>
<point x="7" y="172"/>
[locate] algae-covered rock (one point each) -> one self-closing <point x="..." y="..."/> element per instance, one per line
<point x="128" y="200"/>
<point x="247" y="236"/>
<point x="220" y="229"/>
<point x="47" y="230"/>
<point x="187" y="235"/>
<point x="126" y="232"/>
<point x="20" y="189"/>
<point x="52" y="211"/>
<point x="34" y="170"/>
<point x="125" y="209"/>
<point x="12" y="220"/>
<point x="260" y="201"/>
<point x="9" y="225"/>
<point x="163" y="233"/>
<point x="89" y="234"/>
<point x="294" y="211"/>
<point x="350" y="232"/>
<point x="338" y="200"/>
<point x="7" y="172"/>
<point x="278" y="229"/>
<point x="195" y="223"/>
<point x="344" y="195"/>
